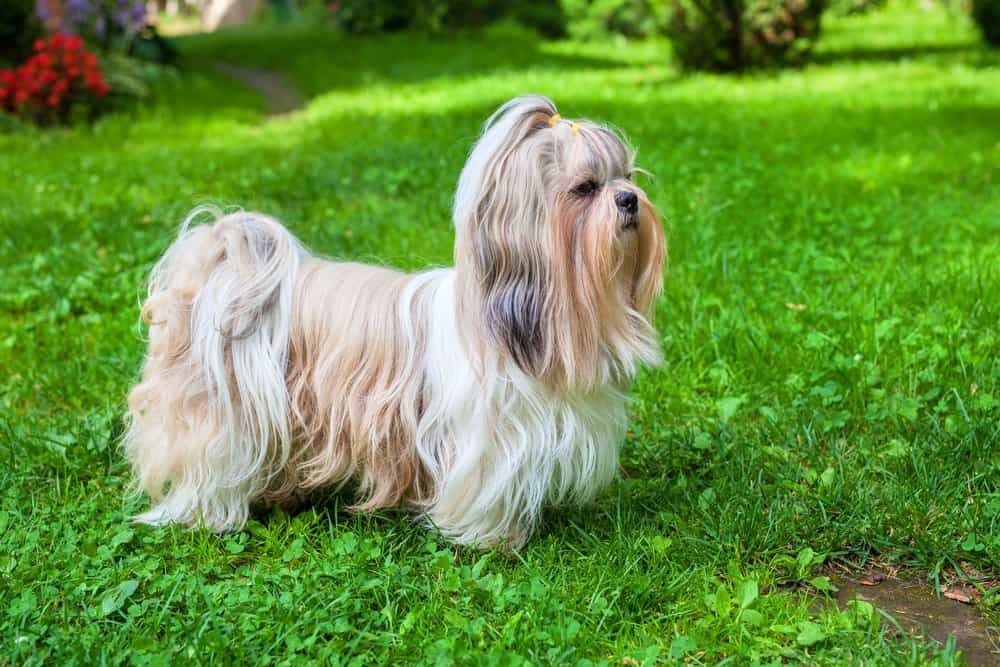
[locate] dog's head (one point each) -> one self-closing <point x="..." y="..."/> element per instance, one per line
<point x="560" y="253"/>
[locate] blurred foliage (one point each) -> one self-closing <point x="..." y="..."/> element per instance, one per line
<point x="850" y="7"/>
<point x="986" y="14"/>
<point x="107" y="24"/>
<point x="591" y="19"/>
<point x="150" y="46"/>
<point x="362" y="17"/>
<point x="19" y="27"/>
<point x="132" y="79"/>
<point x="734" y="35"/>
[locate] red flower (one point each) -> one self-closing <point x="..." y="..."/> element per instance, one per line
<point x="60" y="74"/>
<point x="97" y="84"/>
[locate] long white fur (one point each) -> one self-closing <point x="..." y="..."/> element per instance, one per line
<point x="215" y="427"/>
<point x="498" y="453"/>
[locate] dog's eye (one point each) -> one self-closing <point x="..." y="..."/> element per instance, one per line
<point x="585" y="189"/>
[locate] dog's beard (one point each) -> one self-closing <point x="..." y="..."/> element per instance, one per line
<point x="475" y="395"/>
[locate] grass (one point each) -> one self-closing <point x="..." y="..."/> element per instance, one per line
<point x="830" y="397"/>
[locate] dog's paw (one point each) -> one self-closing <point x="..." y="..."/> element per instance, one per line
<point x="156" y="516"/>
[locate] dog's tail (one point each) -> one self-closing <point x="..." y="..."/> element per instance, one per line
<point x="210" y="420"/>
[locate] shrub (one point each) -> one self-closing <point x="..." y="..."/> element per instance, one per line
<point x="60" y="80"/>
<point x="361" y="17"/>
<point x="855" y="7"/>
<point x="733" y="35"/>
<point x="107" y="23"/>
<point x="590" y="19"/>
<point x="19" y="28"/>
<point x="986" y="14"/>
<point x="150" y="46"/>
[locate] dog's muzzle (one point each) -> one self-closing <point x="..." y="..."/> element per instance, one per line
<point x="628" y="209"/>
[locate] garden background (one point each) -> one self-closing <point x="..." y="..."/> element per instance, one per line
<point x="826" y="423"/>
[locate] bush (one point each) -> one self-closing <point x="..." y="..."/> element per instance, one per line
<point x="734" y="35"/>
<point x="19" y="28"/>
<point x="855" y="7"/>
<point x="986" y="14"/>
<point x="107" y="23"/>
<point x="148" y="45"/>
<point x="590" y="19"/>
<point x="61" y="80"/>
<point x="362" y="17"/>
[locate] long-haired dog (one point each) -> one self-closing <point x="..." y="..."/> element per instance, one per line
<point x="474" y="395"/>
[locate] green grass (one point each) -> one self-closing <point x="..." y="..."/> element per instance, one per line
<point x="831" y="391"/>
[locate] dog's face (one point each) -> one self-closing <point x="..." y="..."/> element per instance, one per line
<point x="562" y="251"/>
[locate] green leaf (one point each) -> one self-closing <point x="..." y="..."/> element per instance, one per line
<point x="861" y="612"/>
<point x="826" y="479"/>
<point x="234" y="546"/>
<point x="810" y="633"/>
<point x="746" y="593"/>
<point x="752" y="617"/>
<point x="681" y="646"/>
<point x="728" y="406"/>
<point x="896" y="448"/>
<point x="972" y="543"/>
<point x="294" y="550"/>
<point x="907" y="408"/>
<point x="822" y="584"/>
<point x="660" y="544"/>
<point x="804" y="560"/>
<point x="722" y="601"/>
<point x="115" y="598"/>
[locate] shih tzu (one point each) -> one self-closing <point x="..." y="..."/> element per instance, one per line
<point x="473" y="395"/>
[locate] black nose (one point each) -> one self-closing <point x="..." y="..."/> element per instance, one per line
<point x="627" y="202"/>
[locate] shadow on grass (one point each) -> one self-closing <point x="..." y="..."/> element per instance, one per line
<point x="321" y="60"/>
<point x="966" y="53"/>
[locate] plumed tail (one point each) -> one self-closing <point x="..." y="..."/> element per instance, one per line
<point x="210" y="422"/>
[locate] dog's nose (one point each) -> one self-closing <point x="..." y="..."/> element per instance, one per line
<point x="627" y="202"/>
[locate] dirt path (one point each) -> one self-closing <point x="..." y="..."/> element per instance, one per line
<point x="919" y="612"/>
<point x="281" y="97"/>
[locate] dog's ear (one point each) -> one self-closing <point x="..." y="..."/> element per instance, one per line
<point x="500" y="217"/>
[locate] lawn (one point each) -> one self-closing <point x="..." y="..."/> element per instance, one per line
<point x="829" y="401"/>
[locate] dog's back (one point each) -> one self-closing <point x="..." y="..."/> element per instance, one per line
<point x="356" y="379"/>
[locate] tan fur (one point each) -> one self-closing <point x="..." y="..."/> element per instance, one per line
<point x="356" y="409"/>
<point x="474" y="395"/>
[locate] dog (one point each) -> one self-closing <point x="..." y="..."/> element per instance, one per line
<point x="472" y="395"/>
